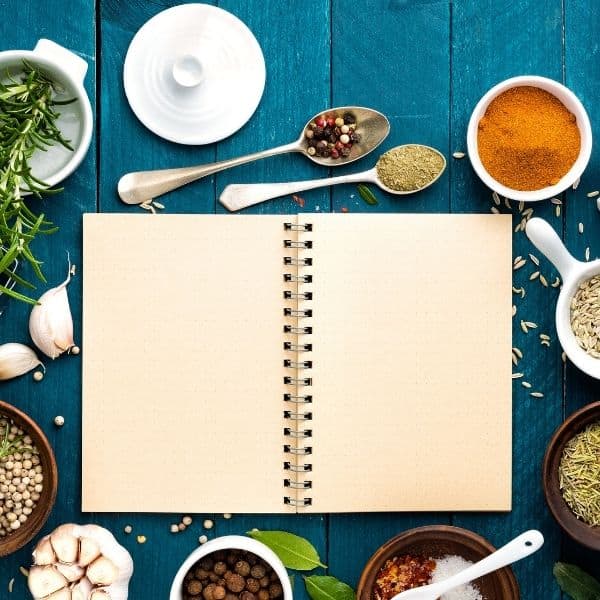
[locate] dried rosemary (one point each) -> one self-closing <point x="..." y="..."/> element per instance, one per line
<point x="579" y="474"/>
<point x="27" y="125"/>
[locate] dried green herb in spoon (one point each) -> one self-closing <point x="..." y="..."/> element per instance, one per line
<point x="28" y="124"/>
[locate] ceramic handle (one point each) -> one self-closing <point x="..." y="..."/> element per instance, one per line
<point x="142" y="186"/>
<point x="238" y="196"/>
<point x="69" y="61"/>
<point x="524" y="545"/>
<point x="546" y="240"/>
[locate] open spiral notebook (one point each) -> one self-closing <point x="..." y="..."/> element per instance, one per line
<point x="310" y="363"/>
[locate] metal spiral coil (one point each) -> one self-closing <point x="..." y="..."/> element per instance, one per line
<point x="297" y="434"/>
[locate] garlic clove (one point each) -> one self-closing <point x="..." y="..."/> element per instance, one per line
<point x="71" y="573"/>
<point x="89" y="550"/>
<point x="16" y="359"/>
<point x="65" y="544"/>
<point x="51" y="323"/>
<point x="46" y="580"/>
<point x="82" y="590"/>
<point x="102" y="571"/>
<point x="99" y="594"/>
<point x="64" y="594"/>
<point x="43" y="553"/>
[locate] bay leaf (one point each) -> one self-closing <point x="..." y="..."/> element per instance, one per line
<point x="326" y="587"/>
<point x="367" y="195"/>
<point x="294" y="551"/>
<point x="575" y="582"/>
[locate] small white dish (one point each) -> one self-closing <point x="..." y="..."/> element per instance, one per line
<point x="75" y="122"/>
<point x="228" y="542"/>
<point x="568" y="98"/>
<point x="194" y="74"/>
<point x="573" y="272"/>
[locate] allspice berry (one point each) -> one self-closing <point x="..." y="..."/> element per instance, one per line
<point x="219" y="592"/>
<point x="258" y="571"/>
<point x="275" y="590"/>
<point x="242" y="568"/>
<point x="207" y="563"/>
<point x="208" y="592"/>
<point x="193" y="587"/>
<point x="263" y="594"/>
<point x="236" y="583"/>
<point x="246" y="595"/>
<point x="265" y="581"/>
<point x="252" y="585"/>
<point x="230" y="596"/>
<point x="220" y="568"/>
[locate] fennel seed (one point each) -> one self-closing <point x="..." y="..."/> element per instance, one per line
<point x="536" y="394"/>
<point x="520" y="264"/>
<point x="526" y="384"/>
<point x="458" y="155"/>
<point x="518" y="352"/>
<point x="535" y="260"/>
<point x="556" y="201"/>
<point x="534" y="275"/>
<point x="496" y="198"/>
<point x="557" y="211"/>
<point x="543" y="280"/>
<point x="494" y="210"/>
<point x="593" y="194"/>
<point x="580" y="227"/>
<point x="517" y="375"/>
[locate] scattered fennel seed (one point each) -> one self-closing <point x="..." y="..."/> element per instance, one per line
<point x="556" y="282"/>
<point x="507" y="203"/>
<point x="518" y="352"/>
<point x="11" y="583"/>
<point x="458" y="155"/>
<point x="495" y="210"/>
<point x="580" y="227"/>
<point x="587" y="253"/>
<point x="528" y="213"/>
<point x="536" y="394"/>
<point x="593" y="194"/>
<point x="576" y="183"/>
<point x="534" y="275"/>
<point x="158" y="204"/>
<point x="556" y="201"/>
<point x="544" y="336"/>
<point x="517" y="375"/>
<point x="141" y="539"/>
<point x="543" y="280"/>
<point x="521" y="206"/>
<point x="524" y="327"/>
<point x="517" y="259"/>
<point x="520" y="264"/>
<point x="496" y="198"/>
<point x="514" y="310"/>
<point x="545" y="343"/>
<point x="557" y="211"/>
<point x="531" y="324"/>
<point x="24" y="571"/>
<point x="526" y="384"/>
<point x="518" y="228"/>
<point x="535" y="260"/>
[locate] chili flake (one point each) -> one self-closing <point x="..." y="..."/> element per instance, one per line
<point x="402" y="573"/>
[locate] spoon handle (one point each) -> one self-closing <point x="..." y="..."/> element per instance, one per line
<point x="238" y="196"/>
<point x="523" y="545"/>
<point x="143" y="186"/>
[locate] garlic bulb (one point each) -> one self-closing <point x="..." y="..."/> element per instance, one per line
<point x="80" y="562"/>
<point x="17" y="359"/>
<point x="51" y="323"/>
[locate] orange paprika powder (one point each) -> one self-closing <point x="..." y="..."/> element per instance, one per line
<point x="528" y="139"/>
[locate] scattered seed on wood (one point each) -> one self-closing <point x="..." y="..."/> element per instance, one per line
<point x="517" y="375"/>
<point x="536" y="394"/>
<point x="141" y="539"/>
<point x="526" y="384"/>
<point x="535" y="260"/>
<point x="556" y="201"/>
<point x="507" y="203"/>
<point x="576" y="183"/>
<point x="528" y="213"/>
<point x="458" y="155"/>
<point x="518" y="352"/>
<point x="555" y="283"/>
<point x="534" y="275"/>
<point x="580" y="227"/>
<point x="543" y="280"/>
<point x="158" y="204"/>
<point x="557" y="211"/>
<point x="174" y="528"/>
<point x="514" y="310"/>
<point x="563" y="357"/>
<point x="587" y="253"/>
<point x="517" y="259"/>
<point x="227" y="515"/>
<point x="593" y="194"/>
<point x="518" y="228"/>
<point x="128" y="529"/>
<point x="495" y="210"/>
<point x="496" y="198"/>
<point x="521" y="206"/>
<point x="59" y="420"/>
<point x="11" y="583"/>
<point x="544" y="336"/>
<point x="524" y="327"/>
<point x="545" y="343"/>
<point x="187" y="520"/>
<point x="598" y="204"/>
<point x="202" y="539"/>
<point x="531" y="325"/>
<point x="520" y="264"/>
<point x="208" y="524"/>
<point x="24" y="571"/>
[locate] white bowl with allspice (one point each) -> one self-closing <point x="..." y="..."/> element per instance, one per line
<point x="232" y="567"/>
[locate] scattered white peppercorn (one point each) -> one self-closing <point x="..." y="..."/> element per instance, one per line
<point x="187" y="520"/>
<point x="227" y="515"/>
<point x="38" y="376"/>
<point x="174" y="528"/>
<point x="181" y="527"/>
<point x="202" y="539"/>
<point x="208" y="524"/>
<point x="128" y="529"/>
<point x="75" y="350"/>
<point x="141" y="539"/>
<point x="59" y="421"/>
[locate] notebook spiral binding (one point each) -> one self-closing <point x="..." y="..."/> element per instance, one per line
<point x="296" y="468"/>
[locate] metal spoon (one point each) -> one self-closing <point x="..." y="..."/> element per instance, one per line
<point x="143" y="186"/>
<point x="238" y="196"/>
<point x="524" y="545"/>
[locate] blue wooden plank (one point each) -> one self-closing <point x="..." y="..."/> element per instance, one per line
<point x="59" y="392"/>
<point x="583" y="77"/>
<point x="126" y="144"/>
<point x="492" y="41"/>
<point x="392" y="56"/>
<point x="295" y="43"/>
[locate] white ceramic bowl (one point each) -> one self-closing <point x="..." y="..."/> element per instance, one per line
<point x="568" y="98"/>
<point x="573" y="272"/>
<point x="75" y="121"/>
<point x="228" y="542"/>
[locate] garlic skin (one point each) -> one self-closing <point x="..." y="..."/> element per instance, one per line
<point x="80" y="562"/>
<point x="51" y="322"/>
<point x="17" y="359"/>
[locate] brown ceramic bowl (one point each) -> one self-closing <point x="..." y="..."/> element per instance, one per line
<point x="578" y="530"/>
<point x="11" y="543"/>
<point x="436" y="541"/>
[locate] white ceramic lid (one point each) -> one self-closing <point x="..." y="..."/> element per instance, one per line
<point x="194" y="74"/>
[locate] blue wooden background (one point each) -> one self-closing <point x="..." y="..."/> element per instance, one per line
<point x="425" y="64"/>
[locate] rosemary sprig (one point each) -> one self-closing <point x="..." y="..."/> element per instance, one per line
<point x="27" y="125"/>
<point x="8" y="447"/>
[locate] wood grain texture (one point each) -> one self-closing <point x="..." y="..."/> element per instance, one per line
<point x="492" y="41"/>
<point x="423" y="63"/>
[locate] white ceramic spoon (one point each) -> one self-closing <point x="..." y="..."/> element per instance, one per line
<point x="524" y="545"/>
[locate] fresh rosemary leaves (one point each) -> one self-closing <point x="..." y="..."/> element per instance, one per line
<point x="27" y="125"/>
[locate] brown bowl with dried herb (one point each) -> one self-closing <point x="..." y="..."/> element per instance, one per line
<point x="28" y="479"/>
<point x="570" y="476"/>
<point x="413" y="557"/>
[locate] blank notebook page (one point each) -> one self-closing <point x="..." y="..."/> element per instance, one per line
<point x="411" y="369"/>
<point x="183" y="375"/>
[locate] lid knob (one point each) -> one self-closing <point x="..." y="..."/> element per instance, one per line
<point x="188" y="71"/>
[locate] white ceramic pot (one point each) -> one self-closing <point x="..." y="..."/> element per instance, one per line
<point x="568" y="98"/>
<point x="228" y="542"/>
<point x="573" y="272"/>
<point x="75" y="122"/>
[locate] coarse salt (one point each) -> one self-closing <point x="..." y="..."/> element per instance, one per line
<point x="451" y="565"/>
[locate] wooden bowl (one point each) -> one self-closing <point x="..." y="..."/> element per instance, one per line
<point x="13" y="542"/>
<point x="436" y="541"/>
<point x="574" y="527"/>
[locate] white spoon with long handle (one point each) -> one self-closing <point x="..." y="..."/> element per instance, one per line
<point x="524" y="545"/>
